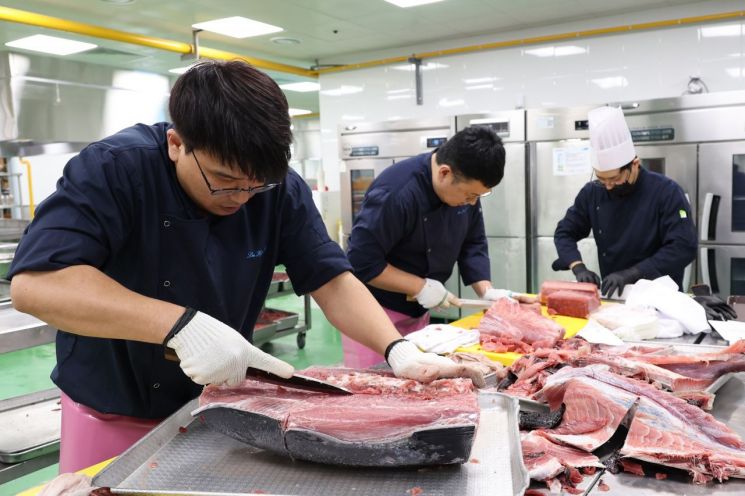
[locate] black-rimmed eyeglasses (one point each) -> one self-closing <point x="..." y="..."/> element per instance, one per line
<point x="251" y="190"/>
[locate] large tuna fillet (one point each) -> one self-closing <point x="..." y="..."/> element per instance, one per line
<point x="548" y="287"/>
<point x="572" y="303"/>
<point x="507" y="322"/>
<point x="386" y="422"/>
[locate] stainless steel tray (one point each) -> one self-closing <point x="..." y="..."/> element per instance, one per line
<point x="196" y="461"/>
<point x="29" y="426"/>
<point x="287" y="321"/>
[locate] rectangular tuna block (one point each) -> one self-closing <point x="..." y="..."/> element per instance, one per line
<point x="549" y="287"/>
<point x="573" y="303"/>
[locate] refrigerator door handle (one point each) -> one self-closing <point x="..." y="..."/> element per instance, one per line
<point x="709" y="269"/>
<point x="709" y="217"/>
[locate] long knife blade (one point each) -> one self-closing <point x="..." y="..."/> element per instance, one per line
<point x="297" y="381"/>
<point x="476" y="303"/>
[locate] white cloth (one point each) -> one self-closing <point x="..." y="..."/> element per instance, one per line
<point x="214" y="353"/>
<point x="628" y="322"/>
<point x="610" y="139"/>
<point x="434" y="294"/>
<point x="595" y="333"/>
<point x="443" y="338"/>
<point x="663" y="295"/>
<point x="731" y="330"/>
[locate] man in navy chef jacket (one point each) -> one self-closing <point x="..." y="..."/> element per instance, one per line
<point x="167" y="236"/>
<point x="419" y="217"/>
<point x="641" y="220"/>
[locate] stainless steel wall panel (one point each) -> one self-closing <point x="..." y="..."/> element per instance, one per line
<point x="504" y="210"/>
<point x="722" y="192"/>
<point x="546" y="254"/>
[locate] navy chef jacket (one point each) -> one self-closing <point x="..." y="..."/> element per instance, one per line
<point x="651" y="228"/>
<point x="402" y="222"/>
<point x="120" y="208"/>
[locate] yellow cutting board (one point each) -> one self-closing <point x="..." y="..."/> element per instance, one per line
<point x="90" y="471"/>
<point x="572" y="325"/>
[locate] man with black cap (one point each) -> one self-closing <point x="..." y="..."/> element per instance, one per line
<point x="641" y="220"/>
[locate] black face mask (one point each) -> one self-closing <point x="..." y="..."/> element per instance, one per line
<point x="622" y="190"/>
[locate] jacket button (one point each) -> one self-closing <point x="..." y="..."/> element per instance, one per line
<point x="605" y="254"/>
<point x="156" y="385"/>
<point x="166" y="223"/>
<point x="425" y="219"/>
<point x="597" y="208"/>
<point x="600" y="231"/>
<point x="166" y="284"/>
<point x="429" y="250"/>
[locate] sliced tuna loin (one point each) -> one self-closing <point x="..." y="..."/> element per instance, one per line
<point x="667" y="430"/>
<point x="387" y="422"/>
<point x="573" y="303"/>
<point x="556" y="465"/>
<point x="509" y="322"/>
<point x="548" y="287"/>
<point x="545" y="459"/>
<point x="594" y="411"/>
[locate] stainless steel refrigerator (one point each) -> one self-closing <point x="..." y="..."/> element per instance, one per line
<point x="559" y="165"/>
<point x="367" y="149"/>
<point x="505" y="209"/>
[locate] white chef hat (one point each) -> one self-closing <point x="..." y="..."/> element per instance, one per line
<point x="610" y="139"/>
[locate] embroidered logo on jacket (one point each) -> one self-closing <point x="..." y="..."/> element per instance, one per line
<point x="255" y="253"/>
<point x="462" y="210"/>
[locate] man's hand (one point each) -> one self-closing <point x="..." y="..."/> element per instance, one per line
<point x="617" y="280"/>
<point x="410" y="362"/>
<point x="583" y="274"/>
<point x="214" y="353"/>
<point x="434" y="294"/>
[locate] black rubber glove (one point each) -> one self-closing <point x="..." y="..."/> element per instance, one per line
<point x="617" y="280"/>
<point x="716" y="308"/>
<point x="583" y="274"/>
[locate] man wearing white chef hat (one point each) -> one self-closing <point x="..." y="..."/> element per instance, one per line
<point x="641" y="220"/>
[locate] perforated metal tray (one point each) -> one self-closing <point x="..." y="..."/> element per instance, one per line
<point x="194" y="460"/>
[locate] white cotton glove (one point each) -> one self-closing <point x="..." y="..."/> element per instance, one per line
<point x="410" y="362"/>
<point x="214" y="353"/>
<point x="495" y="294"/>
<point x="434" y="294"/>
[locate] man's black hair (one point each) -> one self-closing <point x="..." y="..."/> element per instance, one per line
<point x="477" y="153"/>
<point x="236" y="114"/>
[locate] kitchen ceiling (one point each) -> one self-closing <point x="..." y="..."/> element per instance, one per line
<point x="324" y="28"/>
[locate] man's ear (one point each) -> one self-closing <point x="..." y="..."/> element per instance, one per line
<point x="174" y="144"/>
<point x="444" y="171"/>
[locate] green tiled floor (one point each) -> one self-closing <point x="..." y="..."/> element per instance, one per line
<point x="28" y="370"/>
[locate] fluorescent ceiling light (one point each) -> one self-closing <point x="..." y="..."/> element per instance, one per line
<point x="723" y="30"/>
<point x="558" y="51"/>
<point x="428" y="66"/>
<point x="180" y="70"/>
<point x="342" y="90"/>
<point x="396" y="92"/>
<point x="481" y="80"/>
<point x="237" y="27"/>
<point x="302" y="87"/>
<point x="735" y="72"/>
<point x="51" y="44"/>
<point x="611" y="82"/>
<point x="444" y="102"/>
<point x="298" y="111"/>
<point x="410" y="3"/>
<point x="482" y="87"/>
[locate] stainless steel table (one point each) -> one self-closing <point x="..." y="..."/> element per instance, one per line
<point x="20" y="330"/>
